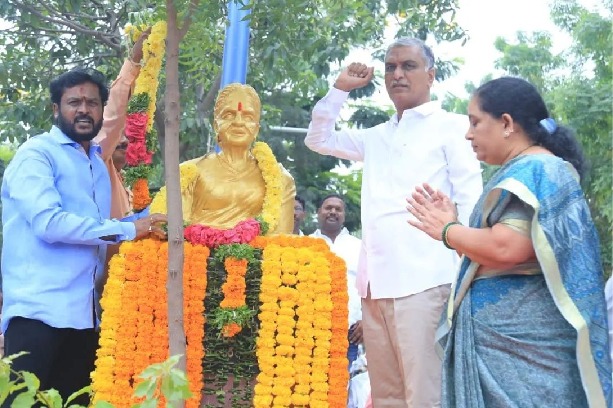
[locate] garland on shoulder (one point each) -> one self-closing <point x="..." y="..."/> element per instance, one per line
<point x="141" y="109"/>
<point x="271" y="172"/>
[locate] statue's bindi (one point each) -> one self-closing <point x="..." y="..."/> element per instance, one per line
<point x="240" y="106"/>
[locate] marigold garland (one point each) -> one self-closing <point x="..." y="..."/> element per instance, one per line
<point x="140" y="193"/>
<point x="234" y="291"/>
<point x="271" y="172"/>
<point x="134" y="326"/>
<point x="188" y="172"/>
<point x="302" y="338"/>
<point x="298" y="352"/>
<point x="141" y="109"/>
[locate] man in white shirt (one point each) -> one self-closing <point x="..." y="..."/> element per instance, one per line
<point x="331" y="222"/>
<point x="403" y="278"/>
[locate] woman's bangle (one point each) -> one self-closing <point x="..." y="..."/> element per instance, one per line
<point x="445" y="230"/>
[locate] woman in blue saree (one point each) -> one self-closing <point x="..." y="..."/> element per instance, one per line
<point x="525" y="324"/>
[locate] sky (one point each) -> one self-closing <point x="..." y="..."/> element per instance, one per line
<point x="484" y="21"/>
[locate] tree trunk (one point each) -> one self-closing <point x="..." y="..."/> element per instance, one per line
<point x="174" y="286"/>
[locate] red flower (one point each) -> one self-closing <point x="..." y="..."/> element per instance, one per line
<point x="242" y="233"/>
<point x="136" y="126"/>
<point x="137" y="153"/>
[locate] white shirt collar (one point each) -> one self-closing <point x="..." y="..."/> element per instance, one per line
<point x="319" y="234"/>
<point x="423" y="110"/>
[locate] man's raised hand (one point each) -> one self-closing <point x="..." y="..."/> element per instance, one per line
<point x="356" y="75"/>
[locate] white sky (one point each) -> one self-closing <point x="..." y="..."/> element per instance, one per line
<point x="484" y="21"/>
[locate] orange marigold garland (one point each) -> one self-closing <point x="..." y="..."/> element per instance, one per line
<point x="339" y="375"/>
<point x="233" y="312"/>
<point x="234" y="291"/>
<point x="195" y="283"/>
<point x="134" y="328"/>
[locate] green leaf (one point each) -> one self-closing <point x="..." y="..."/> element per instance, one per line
<point x="238" y="251"/>
<point x="30" y="380"/>
<point x="149" y="403"/>
<point x="152" y="372"/>
<point x="84" y="390"/>
<point x="103" y="404"/>
<point x="24" y="400"/>
<point x="138" y="103"/>
<point x="131" y="174"/>
<point x="53" y="398"/>
<point x="175" y="386"/>
<point x="146" y="388"/>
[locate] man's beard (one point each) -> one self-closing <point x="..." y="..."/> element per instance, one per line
<point x="70" y="130"/>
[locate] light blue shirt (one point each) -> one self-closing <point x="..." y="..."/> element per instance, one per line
<point x="55" y="208"/>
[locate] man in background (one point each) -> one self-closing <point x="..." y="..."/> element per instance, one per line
<point x="299" y="214"/>
<point x="114" y="144"/>
<point x="331" y="223"/>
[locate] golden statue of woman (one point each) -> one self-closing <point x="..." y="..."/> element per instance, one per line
<point x="221" y="189"/>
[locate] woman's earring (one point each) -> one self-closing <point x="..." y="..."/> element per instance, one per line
<point x="507" y="133"/>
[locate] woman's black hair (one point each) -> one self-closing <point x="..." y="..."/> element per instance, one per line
<point x="520" y="99"/>
<point x="78" y="76"/>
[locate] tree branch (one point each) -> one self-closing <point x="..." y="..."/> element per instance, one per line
<point x="81" y="29"/>
<point x="206" y="105"/>
<point x="187" y="20"/>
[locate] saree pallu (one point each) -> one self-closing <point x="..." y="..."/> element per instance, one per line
<point x="539" y="340"/>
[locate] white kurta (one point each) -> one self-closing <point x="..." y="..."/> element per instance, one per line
<point x="427" y="145"/>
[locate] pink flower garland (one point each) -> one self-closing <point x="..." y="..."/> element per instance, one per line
<point x="136" y="128"/>
<point x="244" y="232"/>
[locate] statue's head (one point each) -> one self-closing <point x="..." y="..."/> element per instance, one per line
<point x="237" y="116"/>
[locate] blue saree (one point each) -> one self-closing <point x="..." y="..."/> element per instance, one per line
<point x="538" y="339"/>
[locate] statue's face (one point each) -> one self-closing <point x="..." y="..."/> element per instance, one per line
<point x="237" y="122"/>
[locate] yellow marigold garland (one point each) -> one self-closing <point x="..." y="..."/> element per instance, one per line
<point x="188" y="172"/>
<point x="134" y="327"/>
<point x="299" y="354"/>
<point x="271" y="172"/>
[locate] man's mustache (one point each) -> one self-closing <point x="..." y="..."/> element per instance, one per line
<point x="84" y="118"/>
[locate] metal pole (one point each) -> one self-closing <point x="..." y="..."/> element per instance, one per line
<point x="236" y="45"/>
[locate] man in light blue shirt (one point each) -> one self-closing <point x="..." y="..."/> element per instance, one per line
<point x="55" y="215"/>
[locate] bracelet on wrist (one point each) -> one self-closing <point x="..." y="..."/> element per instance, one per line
<point x="445" y="231"/>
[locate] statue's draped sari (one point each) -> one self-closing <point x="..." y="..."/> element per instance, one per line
<point x="537" y="339"/>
